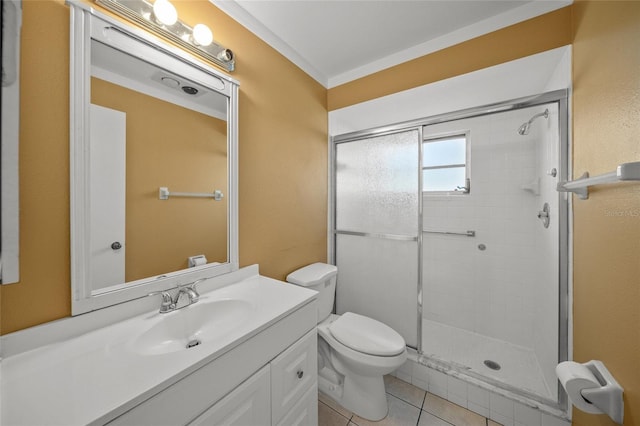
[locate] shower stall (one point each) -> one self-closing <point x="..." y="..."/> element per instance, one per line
<point x="450" y="230"/>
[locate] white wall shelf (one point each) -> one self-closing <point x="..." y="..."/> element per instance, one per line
<point x="580" y="187"/>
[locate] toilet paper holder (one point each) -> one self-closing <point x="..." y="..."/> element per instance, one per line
<point x="198" y="260"/>
<point x="606" y="399"/>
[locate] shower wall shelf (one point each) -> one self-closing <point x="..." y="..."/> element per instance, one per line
<point x="624" y="173"/>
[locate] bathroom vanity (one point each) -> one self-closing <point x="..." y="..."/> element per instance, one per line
<point x="254" y="363"/>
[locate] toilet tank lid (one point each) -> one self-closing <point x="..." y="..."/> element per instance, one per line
<point x="367" y="335"/>
<point x="312" y="274"/>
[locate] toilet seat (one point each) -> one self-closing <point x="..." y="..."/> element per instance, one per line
<point x="366" y="335"/>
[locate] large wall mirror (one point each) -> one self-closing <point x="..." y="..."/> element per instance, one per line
<point x="153" y="164"/>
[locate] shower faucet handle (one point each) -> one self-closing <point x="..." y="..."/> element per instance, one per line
<point x="543" y="215"/>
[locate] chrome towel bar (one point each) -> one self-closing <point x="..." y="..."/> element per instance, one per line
<point x="466" y="233"/>
<point x="580" y="187"/>
<point x="164" y="194"/>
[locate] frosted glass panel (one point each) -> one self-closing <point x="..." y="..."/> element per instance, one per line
<point x="379" y="278"/>
<point x="377" y="184"/>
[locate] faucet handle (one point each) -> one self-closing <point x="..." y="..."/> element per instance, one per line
<point x="194" y="296"/>
<point x="167" y="301"/>
<point x="193" y="285"/>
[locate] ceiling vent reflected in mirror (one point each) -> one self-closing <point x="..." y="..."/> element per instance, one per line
<point x="182" y="86"/>
<point x="170" y="82"/>
<point x="162" y="19"/>
<point x="113" y="65"/>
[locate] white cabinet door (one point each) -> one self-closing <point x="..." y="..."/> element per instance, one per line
<point x="304" y="412"/>
<point x="293" y="372"/>
<point x="248" y="404"/>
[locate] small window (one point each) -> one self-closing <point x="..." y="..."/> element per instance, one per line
<point x="444" y="165"/>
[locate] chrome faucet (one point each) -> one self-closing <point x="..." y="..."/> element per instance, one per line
<point x="170" y="303"/>
<point x="190" y="291"/>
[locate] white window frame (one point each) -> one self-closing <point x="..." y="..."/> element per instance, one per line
<point x="467" y="175"/>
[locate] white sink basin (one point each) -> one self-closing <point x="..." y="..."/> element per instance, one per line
<point x="193" y="326"/>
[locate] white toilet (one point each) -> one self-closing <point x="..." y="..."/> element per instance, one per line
<point x="354" y="351"/>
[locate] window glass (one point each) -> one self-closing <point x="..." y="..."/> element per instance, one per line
<point x="443" y="179"/>
<point x="441" y="152"/>
<point x="444" y="164"/>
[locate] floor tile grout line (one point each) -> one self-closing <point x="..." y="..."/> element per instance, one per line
<point x="486" y="419"/>
<point x="336" y="411"/>
<point x="421" y="408"/>
<point x="407" y="401"/>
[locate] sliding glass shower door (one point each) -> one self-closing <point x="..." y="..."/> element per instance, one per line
<point x="377" y="224"/>
<point x="450" y="230"/>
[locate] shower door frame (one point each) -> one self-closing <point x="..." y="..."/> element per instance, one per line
<point x="561" y="97"/>
<point x="357" y="136"/>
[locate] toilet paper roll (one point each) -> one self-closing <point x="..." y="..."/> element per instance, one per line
<point x="574" y="378"/>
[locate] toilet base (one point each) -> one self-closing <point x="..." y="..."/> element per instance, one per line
<point x="366" y="397"/>
<point x="363" y="396"/>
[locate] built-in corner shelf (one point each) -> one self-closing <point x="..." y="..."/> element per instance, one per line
<point x="580" y="187"/>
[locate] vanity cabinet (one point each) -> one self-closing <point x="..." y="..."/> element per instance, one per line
<point x="248" y="404"/>
<point x="293" y="373"/>
<point x="283" y="392"/>
<point x="269" y="379"/>
<point x="304" y="412"/>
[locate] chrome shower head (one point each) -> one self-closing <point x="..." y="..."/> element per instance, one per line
<point x="524" y="129"/>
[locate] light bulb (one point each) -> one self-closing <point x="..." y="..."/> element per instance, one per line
<point x="202" y="35"/>
<point x="165" y="12"/>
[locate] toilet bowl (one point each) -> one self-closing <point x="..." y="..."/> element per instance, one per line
<point x="355" y="351"/>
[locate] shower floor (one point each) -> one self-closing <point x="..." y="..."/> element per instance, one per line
<point x="519" y="365"/>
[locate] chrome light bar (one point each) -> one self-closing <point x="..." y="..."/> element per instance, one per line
<point x="141" y="13"/>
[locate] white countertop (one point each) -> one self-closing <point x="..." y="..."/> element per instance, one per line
<point x="88" y="378"/>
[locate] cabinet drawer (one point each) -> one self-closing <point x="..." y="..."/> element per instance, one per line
<point x="304" y="412"/>
<point x="293" y="372"/>
<point x="248" y="404"/>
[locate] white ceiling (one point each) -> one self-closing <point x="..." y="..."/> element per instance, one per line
<point x="336" y="41"/>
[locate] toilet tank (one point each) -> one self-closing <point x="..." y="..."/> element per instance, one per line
<point x="320" y="277"/>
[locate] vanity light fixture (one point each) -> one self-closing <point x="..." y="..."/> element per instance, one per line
<point x="165" y="12"/>
<point x="161" y="18"/>
<point x="202" y="35"/>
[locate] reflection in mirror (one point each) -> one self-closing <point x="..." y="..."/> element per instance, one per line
<point x="147" y="116"/>
<point x="151" y="128"/>
<point x="9" y="143"/>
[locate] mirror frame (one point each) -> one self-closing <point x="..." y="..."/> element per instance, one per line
<point x="9" y="147"/>
<point x="86" y="24"/>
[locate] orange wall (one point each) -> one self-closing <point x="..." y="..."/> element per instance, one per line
<point x="606" y="132"/>
<point x="526" y="38"/>
<point x="283" y="159"/>
<point x="283" y="151"/>
<point x="159" y="238"/>
<point x="43" y="293"/>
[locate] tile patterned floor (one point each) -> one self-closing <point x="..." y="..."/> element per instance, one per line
<point x="408" y="406"/>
